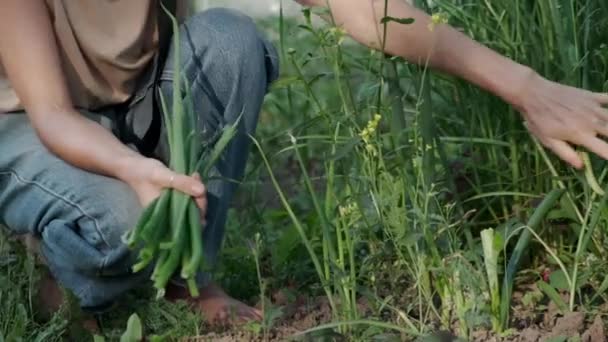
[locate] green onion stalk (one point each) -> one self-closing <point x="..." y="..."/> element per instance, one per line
<point x="168" y="233"/>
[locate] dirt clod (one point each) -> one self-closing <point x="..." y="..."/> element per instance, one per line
<point x="480" y="335"/>
<point x="570" y="325"/>
<point x="530" y="335"/>
<point x="550" y="315"/>
<point x="596" y="332"/>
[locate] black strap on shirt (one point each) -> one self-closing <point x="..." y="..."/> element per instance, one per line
<point x="147" y="101"/>
<point x="165" y="26"/>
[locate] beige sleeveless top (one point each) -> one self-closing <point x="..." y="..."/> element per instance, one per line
<point x="104" y="46"/>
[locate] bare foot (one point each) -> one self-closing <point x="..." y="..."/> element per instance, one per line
<point x="51" y="299"/>
<point x="216" y="306"/>
<point x="50" y="296"/>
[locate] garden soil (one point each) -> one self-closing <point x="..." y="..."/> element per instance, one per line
<point x="550" y="326"/>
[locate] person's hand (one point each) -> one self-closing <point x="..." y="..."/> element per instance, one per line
<point x="148" y="177"/>
<point x="308" y="2"/>
<point x="560" y="115"/>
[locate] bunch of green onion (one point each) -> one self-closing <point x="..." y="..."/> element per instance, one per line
<point x="169" y="231"/>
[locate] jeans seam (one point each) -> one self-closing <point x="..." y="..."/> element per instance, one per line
<point x="58" y="196"/>
<point x="194" y="59"/>
<point x="171" y="73"/>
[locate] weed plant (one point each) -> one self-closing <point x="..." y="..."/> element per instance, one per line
<point x="426" y="194"/>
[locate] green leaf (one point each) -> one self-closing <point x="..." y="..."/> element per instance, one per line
<point x="273" y="313"/>
<point x="553" y="295"/>
<point x="558" y="280"/>
<point x="491" y="244"/>
<point x="255" y="327"/>
<point x="600" y="291"/>
<point x="20" y="324"/>
<point x="228" y="132"/>
<point x="134" y="332"/>
<point x="287" y="242"/>
<point x="566" y="210"/>
<point x="156" y="338"/>
<point x="404" y="21"/>
<point x="98" y="338"/>
<point x="534" y="221"/>
<point x="532" y="298"/>
<point x="410" y="240"/>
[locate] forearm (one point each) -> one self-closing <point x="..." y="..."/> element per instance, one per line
<point x="30" y="56"/>
<point x="85" y="144"/>
<point x="441" y="47"/>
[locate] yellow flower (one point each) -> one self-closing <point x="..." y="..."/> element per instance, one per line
<point x="367" y="132"/>
<point x="438" y="19"/>
<point x="347" y="209"/>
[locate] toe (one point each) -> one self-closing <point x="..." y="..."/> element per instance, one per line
<point x="249" y="314"/>
<point x="256" y="313"/>
<point x="221" y="317"/>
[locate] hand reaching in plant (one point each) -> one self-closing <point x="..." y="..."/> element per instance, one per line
<point x="560" y="115"/>
<point x="149" y="177"/>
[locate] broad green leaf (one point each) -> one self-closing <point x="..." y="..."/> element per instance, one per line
<point x="134" y="332"/>
<point x="553" y="295"/>
<point x="491" y="244"/>
<point x="534" y="221"/>
<point x="557" y="279"/>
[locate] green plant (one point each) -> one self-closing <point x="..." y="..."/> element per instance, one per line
<point x="18" y="280"/>
<point x="169" y="229"/>
<point x="444" y="162"/>
<point x="134" y="332"/>
<point x="270" y="312"/>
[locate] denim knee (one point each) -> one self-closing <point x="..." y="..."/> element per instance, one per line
<point x="87" y="254"/>
<point x="227" y="64"/>
<point x="231" y="41"/>
<point x="91" y="242"/>
<point x="80" y="217"/>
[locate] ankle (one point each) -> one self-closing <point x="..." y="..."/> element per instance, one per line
<point x="174" y="292"/>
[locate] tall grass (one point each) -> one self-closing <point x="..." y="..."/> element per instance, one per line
<point x="414" y="165"/>
<point x="18" y="297"/>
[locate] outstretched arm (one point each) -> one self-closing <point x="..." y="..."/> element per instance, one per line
<point x="557" y="114"/>
<point x="29" y="54"/>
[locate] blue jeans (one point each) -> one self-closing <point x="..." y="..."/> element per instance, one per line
<point x="80" y="217"/>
